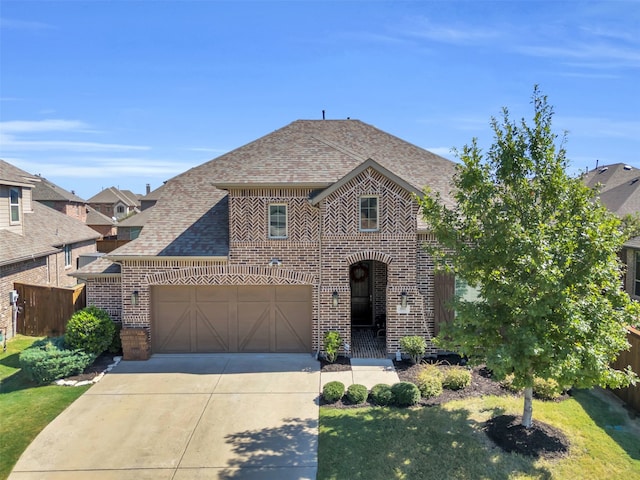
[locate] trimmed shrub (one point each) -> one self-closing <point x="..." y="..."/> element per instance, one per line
<point x="333" y="391"/>
<point x="357" y="393"/>
<point x="456" y="378"/>
<point x="507" y="383"/>
<point x="332" y="343"/>
<point x="381" y="395"/>
<point x="116" y="343"/>
<point x="414" y="346"/>
<point x="405" y="394"/>
<point x="91" y="330"/>
<point x="47" y="360"/>
<point x="429" y="382"/>
<point x="546" y="389"/>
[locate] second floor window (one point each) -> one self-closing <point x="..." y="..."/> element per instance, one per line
<point x="14" y="205"/>
<point x="120" y="209"/>
<point x="277" y="221"/>
<point x="368" y="213"/>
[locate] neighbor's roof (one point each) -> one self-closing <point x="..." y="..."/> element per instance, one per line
<point x="45" y="231"/>
<point x="94" y="217"/>
<point x="98" y="268"/>
<point x="154" y="194"/>
<point x="49" y="191"/>
<point x="632" y="243"/>
<point x="191" y="217"/>
<point x="136" y="220"/>
<point x="113" y="195"/>
<point x="10" y="175"/>
<point x="619" y="186"/>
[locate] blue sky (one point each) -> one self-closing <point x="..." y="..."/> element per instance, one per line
<point x="124" y="93"/>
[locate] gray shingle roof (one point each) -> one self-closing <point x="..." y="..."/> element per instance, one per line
<point x="191" y="217"/>
<point x="49" y="191"/>
<point x="10" y="175"/>
<point x="45" y="231"/>
<point x="619" y="187"/>
<point x="94" y="217"/>
<point x="113" y="195"/>
<point x="137" y="220"/>
<point x="99" y="267"/>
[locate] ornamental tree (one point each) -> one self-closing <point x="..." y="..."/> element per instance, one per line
<point x="542" y="252"/>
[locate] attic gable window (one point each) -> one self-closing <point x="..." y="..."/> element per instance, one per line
<point x="368" y="213"/>
<point x="277" y="220"/>
<point x="14" y="205"/>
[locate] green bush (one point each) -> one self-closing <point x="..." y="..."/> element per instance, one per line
<point x="414" y="346"/>
<point x="405" y="394"/>
<point x="381" y="394"/>
<point x="47" y="360"/>
<point x="429" y="382"/>
<point x="116" y="343"/>
<point x="333" y="391"/>
<point x="332" y="343"/>
<point x="546" y="389"/>
<point x="357" y="393"/>
<point x="91" y="330"/>
<point x="507" y="383"/>
<point x="456" y="378"/>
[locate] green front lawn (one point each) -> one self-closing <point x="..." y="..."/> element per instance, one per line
<point x="25" y="409"/>
<point x="447" y="442"/>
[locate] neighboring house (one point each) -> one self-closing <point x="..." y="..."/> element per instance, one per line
<point x="150" y="199"/>
<point x="115" y="203"/>
<point x="53" y="196"/>
<point x="130" y="228"/>
<point x="619" y="186"/>
<point x="37" y="244"/>
<point x="314" y="227"/>
<point x="105" y="226"/>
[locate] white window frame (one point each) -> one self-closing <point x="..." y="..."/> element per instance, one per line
<point x="14" y="205"/>
<point x="377" y="219"/>
<point x="68" y="256"/>
<point x="286" y="221"/>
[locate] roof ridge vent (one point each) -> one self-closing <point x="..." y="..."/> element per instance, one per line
<point x="627" y="167"/>
<point x="603" y="169"/>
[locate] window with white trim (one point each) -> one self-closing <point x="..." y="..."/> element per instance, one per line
<point x="277" y="220"/>
<point x="369" y="213"/>
<point x="14" y="204"/>
<point x="68" y="257"/>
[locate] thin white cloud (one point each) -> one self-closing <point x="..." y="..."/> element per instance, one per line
<point x="599" y="127"/>
<point x="207" y="150"/>
<point x="10" y="144"/>
<point x="47" y="125"/>
<point x="423" y="28"/>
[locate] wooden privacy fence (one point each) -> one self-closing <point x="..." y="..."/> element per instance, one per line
<point x="631" y="394"/>
<point x="44" y="311"/>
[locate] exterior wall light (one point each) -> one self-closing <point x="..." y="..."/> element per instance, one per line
<point x="334" y="298"/>
<point x="403" y="299"/>
<point x="135" y="297"/>
<point x="275" y="262"/>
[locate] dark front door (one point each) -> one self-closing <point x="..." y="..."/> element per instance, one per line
<point x="361" y="294"/>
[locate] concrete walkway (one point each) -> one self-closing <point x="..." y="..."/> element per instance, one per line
<point x="365" y="371"/>
<point x="187" y="417"/>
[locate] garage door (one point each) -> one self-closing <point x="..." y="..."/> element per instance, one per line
<point x="231" y="319"/>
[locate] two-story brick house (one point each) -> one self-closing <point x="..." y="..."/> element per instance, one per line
<point x="115" y="203"/>
<point x="313" y="227"/>
<point x="38" y="245"/>
<point x="56" y="197"/>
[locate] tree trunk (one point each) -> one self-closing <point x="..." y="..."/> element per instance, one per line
<point x="527" y="415"/>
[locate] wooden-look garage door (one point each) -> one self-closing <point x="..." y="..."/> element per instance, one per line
<point x="231" y="319"/>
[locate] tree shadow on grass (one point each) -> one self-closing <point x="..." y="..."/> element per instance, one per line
<point x="284" y="452"/>
<point x="611" y="418"/>
<point x="383" y="443"/>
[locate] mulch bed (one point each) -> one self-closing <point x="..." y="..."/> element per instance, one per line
<point x="541" y="440"/>
<point x="98" y="366"/>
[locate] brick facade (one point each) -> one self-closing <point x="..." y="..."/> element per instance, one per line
<point x="322" y="243"/>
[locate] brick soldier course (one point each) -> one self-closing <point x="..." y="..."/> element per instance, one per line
<point x="211" y="228"/>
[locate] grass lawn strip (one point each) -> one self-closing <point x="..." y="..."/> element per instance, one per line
<point x="448" y="441"/>
<point x="25" y="409"/>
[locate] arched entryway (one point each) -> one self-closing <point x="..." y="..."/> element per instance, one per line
<point x="368" y="285"/>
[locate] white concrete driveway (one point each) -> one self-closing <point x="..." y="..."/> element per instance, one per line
<point x="249" y="416"/>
